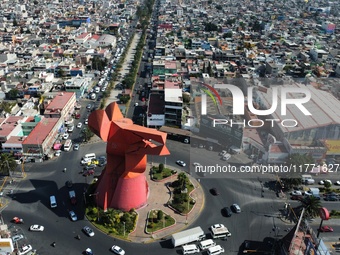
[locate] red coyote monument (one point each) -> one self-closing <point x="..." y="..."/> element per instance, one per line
<point x="122" y="184"/>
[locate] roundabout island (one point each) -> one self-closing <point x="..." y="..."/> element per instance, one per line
<point x="125" y="197"/>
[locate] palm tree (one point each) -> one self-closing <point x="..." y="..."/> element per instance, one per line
<point x="312" y="206"/>
<point x="7" y="164"/>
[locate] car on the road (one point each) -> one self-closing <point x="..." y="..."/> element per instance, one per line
<point x="214" y="191"/>
<point x="73" y="216"/>
<point x="25" y="249"/>
<point x="222" y="153"/>
<point x="227" y="211"/>
<point x="180" y="163"/>
<point x="296" y="193"/>
<point x="90" y="167"/>
<point x="17" y="238"/>
<point x="89" y="106"/>
<point x="70" y="129"/>
<point x="236" y="208"/>
<point x="117" y="250"/>
<point x="217" y="226"/>
<point x="322" y="182"/>
<point x="86" y="121"/>
<point x="331" y="198"/>
<point x="76" y="147"/>
<point x="326" y="229"/>
<point x="66" y="136"/>
<point x="37" y="228"/>
<point x="79" y="125"/>
<point x="57" y="153"/>
<point x="337" y="183"/>
<point x="102" y="161"/>
<point x="88" y="231"/>
<point x="88" y="251"/>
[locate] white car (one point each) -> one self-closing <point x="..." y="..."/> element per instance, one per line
<point x="216" y="226"/>
<point x="79" y="125"/>
<point x="37" y="228"/>
<point x="88" y="231"/>
<point x="322" y="182"/>
<point x="117" y="250"/>
<point x="236" y="208"/>
<point x="337" y="183"/>
<point x="57" y="153"/>
<point x="180" y="162"/>
<point x="296" y="193"/>
<point x="73" y="216"/>
<point x="86" y="121"/>
<point x="25" y="249"/>
<point x="66" y="136"/>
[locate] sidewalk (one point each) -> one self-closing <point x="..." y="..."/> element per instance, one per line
<point x="158" y="197"/>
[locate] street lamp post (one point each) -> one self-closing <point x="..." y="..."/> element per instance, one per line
<point x="124" y="227"/>
<point x="96" y="194"/>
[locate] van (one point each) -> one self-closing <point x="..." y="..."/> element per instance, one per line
<point x="96" y="89"/>
<point x="206" y="244"/>
<point x="307" y="179"/>
<point x="87" y="158"/>
<point x="190" y="249"/>
<point x="218" y="249"/>
<point x="53" y="202"/>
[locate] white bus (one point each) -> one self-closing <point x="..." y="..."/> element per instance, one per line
<point x="67" y="145"/>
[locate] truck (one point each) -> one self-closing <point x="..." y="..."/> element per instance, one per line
<point x="72" y="195"/>
<point x="187" y="236"/>
<point x="315" y="192"/>
<point x="307" y="179"/>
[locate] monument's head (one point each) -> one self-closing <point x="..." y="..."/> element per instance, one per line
<point x="122" y="136"/>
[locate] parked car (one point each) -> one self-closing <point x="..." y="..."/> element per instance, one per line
<point x="17" y="238"/>
<point x="25" y="249"/>
<point x="90" y="167"/>
<point x="88" y="231"/>
<point x="66" y="136"/>
<point x="322" y="182"/>
<point x="296" y="193"/>
<point x="117" y="250"/>
<point x="57" y="153"/>
<point x="86" y="121"/>
<point x="89" y="106"/>
<point x="180" y="162"/>
<point x="73" y="216"/>
<point x="79" y="125"/>
<point x="236" y="208"/>
<point x="37" y="228"/>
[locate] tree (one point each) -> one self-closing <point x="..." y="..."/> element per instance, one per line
<point x="7" y="164"/>
<point x="13" y="93"/>
<point x="87" y="134"/>
<point x="186" y="98"/>
<point x="160" y="167"/>
<point x="312" y="206"/>
<point x="289" y="183"/>
<point x="160" y="215"/>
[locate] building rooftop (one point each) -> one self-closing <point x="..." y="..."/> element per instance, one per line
<point x="41" y="131"/>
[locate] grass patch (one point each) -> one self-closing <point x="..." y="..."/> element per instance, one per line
<point x="158" y="174"/>
<point x="158" y="220"/>
<point x="112" y="222"/>
<point x="181" y="200"/>
<point x="335" y="214"/>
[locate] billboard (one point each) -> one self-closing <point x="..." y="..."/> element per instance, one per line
<point x="333" y="147"/>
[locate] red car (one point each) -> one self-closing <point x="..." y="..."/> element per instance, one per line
<point x="17" y="220"/>
<point x="89" y="172"/>
<point x="326" y="229"/>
